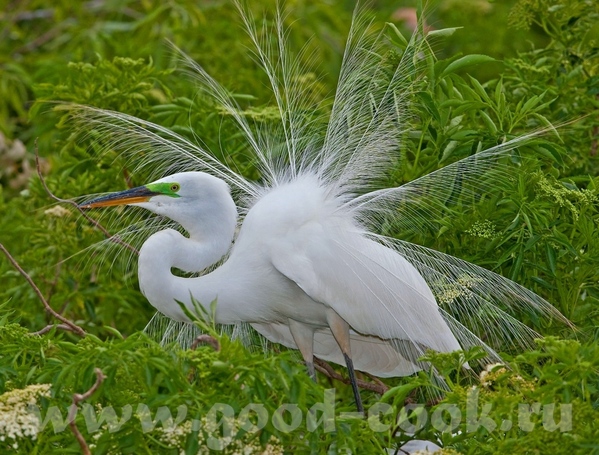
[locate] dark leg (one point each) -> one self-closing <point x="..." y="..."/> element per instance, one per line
<point x="354" y="383"/>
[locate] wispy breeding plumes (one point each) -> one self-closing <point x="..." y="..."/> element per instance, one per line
<point x="339" y="162"/>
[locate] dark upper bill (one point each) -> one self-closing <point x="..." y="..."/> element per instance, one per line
<point x="132" y="196"/>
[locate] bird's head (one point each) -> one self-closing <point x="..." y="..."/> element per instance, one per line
<point x="193" y="199"/>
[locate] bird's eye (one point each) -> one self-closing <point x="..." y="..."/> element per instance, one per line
<point x="175" y="187"/>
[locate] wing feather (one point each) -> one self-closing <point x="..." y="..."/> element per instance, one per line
<point x="377" y="291"/>
<point x="370" y="354"/>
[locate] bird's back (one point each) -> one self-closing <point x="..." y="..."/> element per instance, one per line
<point x="302" y="230"/>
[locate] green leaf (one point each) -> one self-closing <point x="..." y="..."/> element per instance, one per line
<point x="488" y="122"/>
<point x="465" y="62"/>
<point x="399" y="393"/>
<point x="444" y="32"/>
<point x="114" y="331"/>
<point x="551" y="258"/>
<point x="398" y="35"/>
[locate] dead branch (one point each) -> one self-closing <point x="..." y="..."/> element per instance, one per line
<point x="377" y="380"/>
<point x="208" y="339"/>
<point x="205" y="338"/>
<point x="50" y="327"/>
<point x="77" y="398"/>
<point x="74" y="327"/>
<point x="328" y="370"/>
<point x="109" y="236"/>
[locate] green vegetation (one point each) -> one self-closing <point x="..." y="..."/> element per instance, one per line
<point x="540" y="229"/>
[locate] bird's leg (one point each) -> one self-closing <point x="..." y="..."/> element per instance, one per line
<point x="303" y="335"/>
<point x="340" y="330"/>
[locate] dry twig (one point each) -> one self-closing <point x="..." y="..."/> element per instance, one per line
<point x="204" y="338"/>
<point x="328" y="370"/>
<point x="208" y="339"/>
<point x="72" y="326"/>
<point x="77" y="398"/>
<point x="52" y="326"/>
<point x="96" y="223"/>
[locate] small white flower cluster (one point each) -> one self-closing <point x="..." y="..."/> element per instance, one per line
<point x="447" y="292"/>
<point x="572" y="199"/>
<point x="176" y="436"/>
<point x="450" y="293"/>
<point x="483" y="229"/>
<point x="469" y="281"/>
<point x="16" y="420"/>
<point x="57" y="211"/>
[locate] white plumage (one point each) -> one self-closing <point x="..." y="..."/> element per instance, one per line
<point x="297" y="255"/>
<point x="308" y="268"/>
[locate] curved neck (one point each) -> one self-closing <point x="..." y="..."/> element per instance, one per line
<point x="210" y="238"/>
<point x="163" y="251"/>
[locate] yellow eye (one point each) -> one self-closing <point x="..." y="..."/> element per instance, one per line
<point x="175" y="187"/>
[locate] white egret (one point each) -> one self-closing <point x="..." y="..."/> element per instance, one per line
<point x="308" y="268"/>
<point x="302" y="272"/>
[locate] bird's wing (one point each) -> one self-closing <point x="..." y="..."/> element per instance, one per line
<point x="370" y="286"/>
<point x="386" y="363"/>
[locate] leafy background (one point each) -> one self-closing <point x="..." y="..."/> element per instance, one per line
<point x="540" y="231"/>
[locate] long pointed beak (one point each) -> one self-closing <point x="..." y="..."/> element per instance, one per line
<point x="132" y="196"/>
